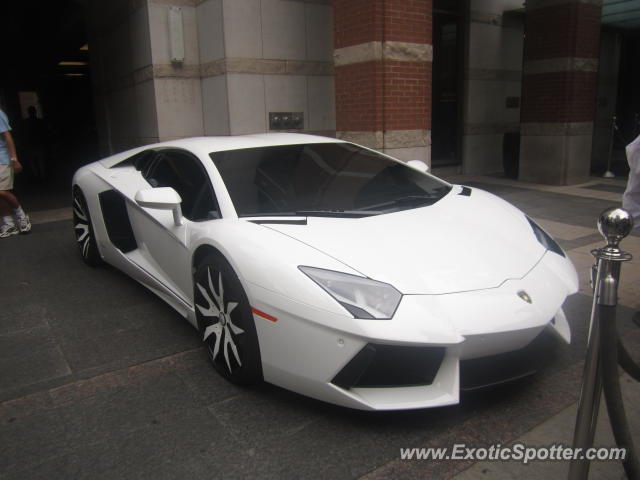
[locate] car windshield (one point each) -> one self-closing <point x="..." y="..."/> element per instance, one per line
<point x="322" y="179"/>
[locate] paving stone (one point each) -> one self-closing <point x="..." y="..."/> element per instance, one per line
<point x="97" y="419"/>
<point x="17" y="316"/>
<point x="604" y="187"/>
<point x="31" y="367"/>
<point x="206" y="385"/>
<point x="184" y="443"/>
<point x="15" y="344"/>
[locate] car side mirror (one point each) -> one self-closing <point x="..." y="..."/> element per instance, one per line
<point x="418" y="165"/>
<point x="163" y="198"/>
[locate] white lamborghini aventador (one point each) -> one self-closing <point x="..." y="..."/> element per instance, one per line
<point x="327" y="268"/>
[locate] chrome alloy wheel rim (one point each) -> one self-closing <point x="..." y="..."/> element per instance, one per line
<point x="81" y="225"/>
<point x="222" y="326"/>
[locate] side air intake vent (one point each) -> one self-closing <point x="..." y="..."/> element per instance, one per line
<point x="116" y="220"/>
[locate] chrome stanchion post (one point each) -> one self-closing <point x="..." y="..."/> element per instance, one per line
<point x="591" y="391"/>
<point x="614" y="224"/>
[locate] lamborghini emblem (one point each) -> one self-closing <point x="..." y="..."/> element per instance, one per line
<point x="525" y="296"/>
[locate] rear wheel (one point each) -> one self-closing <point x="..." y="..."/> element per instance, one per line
<point x="84" y="230"/>
<point x="226" y="322"/>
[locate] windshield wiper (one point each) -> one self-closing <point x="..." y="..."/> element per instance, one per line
<point x="408" y="200"/>
<point x="338" y="213"/>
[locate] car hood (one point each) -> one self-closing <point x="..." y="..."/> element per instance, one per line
<point x="461" y="243"/>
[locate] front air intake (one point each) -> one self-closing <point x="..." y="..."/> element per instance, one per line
<point x="377" y="366"/>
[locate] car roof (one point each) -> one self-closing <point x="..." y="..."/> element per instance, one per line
<point x="206" y="145"/>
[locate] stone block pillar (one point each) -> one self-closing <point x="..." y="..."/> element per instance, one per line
<point x="383" y="57"/>
<point x="561" y="50"/>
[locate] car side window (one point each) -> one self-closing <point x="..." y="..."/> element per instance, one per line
<point x="186" y="175"/>
<point x="143" y="161"/>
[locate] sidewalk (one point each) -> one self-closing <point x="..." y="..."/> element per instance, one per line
<point x="577" y="233"/>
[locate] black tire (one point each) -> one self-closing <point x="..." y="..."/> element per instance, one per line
<point x="83" y="229"/>
<point x="228" y="331"/>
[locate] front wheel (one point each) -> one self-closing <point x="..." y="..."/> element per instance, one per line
<point x="85" y="236"/>
<point x="226" y="322"/>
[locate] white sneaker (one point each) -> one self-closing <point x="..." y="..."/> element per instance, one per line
<point x="24" y="224"/>
<point x="6" y="230"/>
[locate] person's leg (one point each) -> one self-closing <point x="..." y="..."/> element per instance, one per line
<point x="10" y="199"/>
<point x="24" y="224"/>
<point x="6" y="184"/>
<point x="4" y="208"/>
<point x="7" y="225"/>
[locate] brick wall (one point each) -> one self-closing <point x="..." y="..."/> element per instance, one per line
<point x="561" y="50"/>
<point x="361" y="21"/>
<point x="383" y="94"/>
<point x="561" y="92"/>
<point x="357" y="21"/>
<point x="408" y="20"/>
<point x="407" y="87"/>
<point x="563" y="31"/>
<point x="359" y="93"/>
<point x="559" y="97"/>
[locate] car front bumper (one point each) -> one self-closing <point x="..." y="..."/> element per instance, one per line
<point x="434" y="346"/>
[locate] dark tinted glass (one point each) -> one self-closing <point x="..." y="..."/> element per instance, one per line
<point x="323" y="177"/>
<point x="187" y="177"/>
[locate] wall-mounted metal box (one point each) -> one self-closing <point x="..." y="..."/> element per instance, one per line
<point x="286" y="120"/>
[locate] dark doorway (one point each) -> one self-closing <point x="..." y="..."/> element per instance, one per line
<point x="445" y="134"/>
<point x="628" y="104"/>
<point x="46" y="70"/>
<point x="618" y="107"/>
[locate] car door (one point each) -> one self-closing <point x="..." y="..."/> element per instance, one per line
<point x="163" y="245"/>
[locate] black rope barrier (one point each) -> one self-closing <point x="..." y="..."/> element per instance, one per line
<point x="627" y="363"/>
<point x="609" y="342"/>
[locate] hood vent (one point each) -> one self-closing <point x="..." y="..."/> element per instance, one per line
<point x="284" y="221"/>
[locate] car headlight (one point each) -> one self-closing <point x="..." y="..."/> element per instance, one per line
<point x="362" y="297"/>
<point x="545" y="239"/>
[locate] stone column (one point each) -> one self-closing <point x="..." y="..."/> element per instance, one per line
<point x="383" y="58"/>
<point x="141" y="95"/>
<point x="261" y="57"/>
<point x="561" y="47"/>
